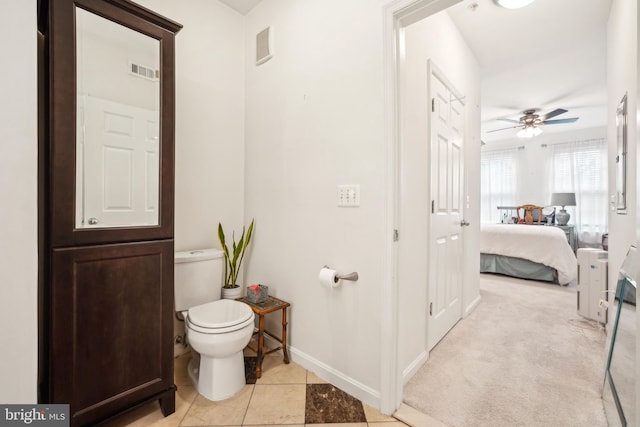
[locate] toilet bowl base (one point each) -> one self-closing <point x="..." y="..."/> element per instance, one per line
<point x="217" y="378"/>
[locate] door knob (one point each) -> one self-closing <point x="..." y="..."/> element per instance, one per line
<point x="464" y="223"/>
<point x="93" y="221"/>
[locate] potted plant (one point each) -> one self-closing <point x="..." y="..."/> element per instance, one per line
<point x="233" y="260"/>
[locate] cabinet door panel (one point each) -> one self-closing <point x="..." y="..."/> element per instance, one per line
<point x="112" y="311"/>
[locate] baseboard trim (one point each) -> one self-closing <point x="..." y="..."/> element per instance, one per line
<point x="471" y="306"/>
<point x="345" y="383"/>
<point x="411" y="370"/>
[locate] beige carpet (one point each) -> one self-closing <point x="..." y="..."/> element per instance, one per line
<point x="524" y="357"/>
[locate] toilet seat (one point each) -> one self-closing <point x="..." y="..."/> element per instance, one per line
<point x="219" y="317"/>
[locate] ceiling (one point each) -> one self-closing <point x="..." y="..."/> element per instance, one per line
<point x="550" y="54"/>
<point x="242" y="6"/>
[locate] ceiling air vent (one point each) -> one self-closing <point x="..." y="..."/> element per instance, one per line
<point x="264" y="45"/>
<point x="143" y="71"/>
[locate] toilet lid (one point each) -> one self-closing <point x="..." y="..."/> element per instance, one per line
<point x="220" y="314"/>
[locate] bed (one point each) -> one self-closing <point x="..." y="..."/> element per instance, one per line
<point x="535" y="252"/>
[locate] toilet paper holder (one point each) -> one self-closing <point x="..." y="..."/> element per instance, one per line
<point x="351" y="276"/>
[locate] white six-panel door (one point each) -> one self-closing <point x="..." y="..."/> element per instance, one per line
<point x="121" y="143"/>
<point x="446" y="250"/>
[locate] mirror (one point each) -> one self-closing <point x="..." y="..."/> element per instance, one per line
<point x="118" y="124"/>
<point x="619" y="391"/>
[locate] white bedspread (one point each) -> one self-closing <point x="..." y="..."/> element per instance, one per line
<point x="539" y="243"/>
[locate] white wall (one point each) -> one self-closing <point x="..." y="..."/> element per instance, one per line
<point x="209" y="122"/>
<point x="209" y="119"/>
<point x="314" y="120"/>
<point x="532" y="173"/>
<point x="18" y="192"/>
<point x="637" y="143"/>
<point x="438" y="39"/>
<point x="622" y="78"/>
<point x="622" y="72"/>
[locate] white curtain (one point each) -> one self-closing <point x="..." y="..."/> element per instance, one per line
<point x="580" y="167"/>
<point x="499" y="184"/>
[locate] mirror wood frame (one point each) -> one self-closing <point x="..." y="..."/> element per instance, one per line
<point x="62" y="119"/>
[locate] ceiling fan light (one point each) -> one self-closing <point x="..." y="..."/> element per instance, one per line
<point x="529" y="132"/>
<point x="513" y="4"/>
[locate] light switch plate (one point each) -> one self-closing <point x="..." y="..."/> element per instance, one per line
<point x="349" y="196"/>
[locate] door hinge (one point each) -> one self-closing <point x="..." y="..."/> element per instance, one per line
<point x="433" y="105"/>
<point x="433" y="206"/>
<point x="430" y="309"/>
<point x="395" y="235"/>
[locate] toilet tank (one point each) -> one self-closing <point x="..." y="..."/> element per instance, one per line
<point x="198" y="277"/>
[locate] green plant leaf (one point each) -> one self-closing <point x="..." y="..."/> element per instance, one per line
<point x="225" y="250"/>
<point x="249" y="233"/>
<point x="246" y="243"/>
<point x="234" y="257"/>
<point x="240" y="248"/>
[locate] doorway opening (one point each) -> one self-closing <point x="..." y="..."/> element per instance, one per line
<point x="405" y="262"/>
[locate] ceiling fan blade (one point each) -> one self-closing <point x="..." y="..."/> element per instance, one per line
<point x="496" y="130"/>
<point x="508" y="120"/>
<point x="552" y="114"/>
<point x="560" y="121"/>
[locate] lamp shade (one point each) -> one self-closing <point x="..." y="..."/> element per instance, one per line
<point x="563" y="199"/>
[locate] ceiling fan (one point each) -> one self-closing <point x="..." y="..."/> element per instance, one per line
<point x="529" y="123"/>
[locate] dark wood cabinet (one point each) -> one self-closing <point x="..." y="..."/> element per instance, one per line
<point x="106" y="290"/>
<point x="112" y="327"/>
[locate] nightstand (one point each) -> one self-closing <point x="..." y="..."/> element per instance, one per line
<point x="572" y="236"/>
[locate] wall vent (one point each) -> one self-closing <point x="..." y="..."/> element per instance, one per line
<point x="144" y="71"/>
<point x="264" y="45"/>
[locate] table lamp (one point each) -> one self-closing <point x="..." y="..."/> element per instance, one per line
<point x="563" y="199"/>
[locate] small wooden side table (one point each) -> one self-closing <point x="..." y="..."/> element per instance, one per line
<point x="270" y="305"/>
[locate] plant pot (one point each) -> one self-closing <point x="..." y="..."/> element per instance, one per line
<point x="232" y="293"/>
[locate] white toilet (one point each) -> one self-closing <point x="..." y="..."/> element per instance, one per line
<point x="218" y="330"/>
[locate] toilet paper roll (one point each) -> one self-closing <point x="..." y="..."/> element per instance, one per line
<point x="329" y="278"/>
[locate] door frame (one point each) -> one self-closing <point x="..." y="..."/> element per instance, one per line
<point x="397" y="14"/>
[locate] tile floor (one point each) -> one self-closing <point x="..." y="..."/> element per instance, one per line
<point x="285" y="395"/>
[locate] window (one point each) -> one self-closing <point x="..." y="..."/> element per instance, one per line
<point x="581" y="167"/>
<point x="498" y="169"/>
